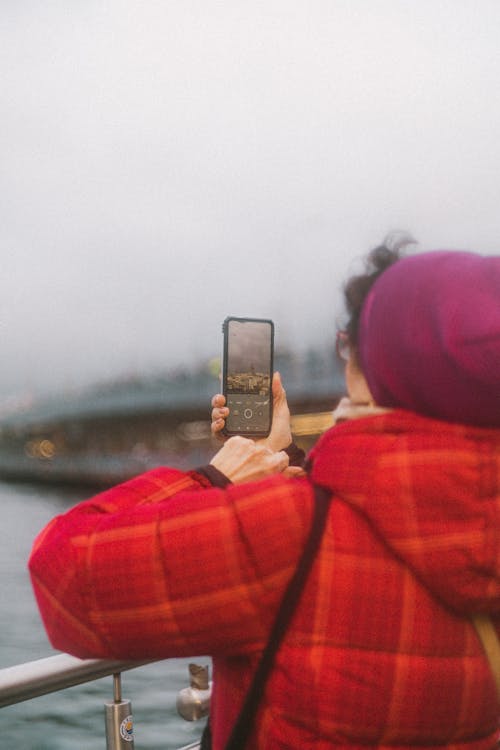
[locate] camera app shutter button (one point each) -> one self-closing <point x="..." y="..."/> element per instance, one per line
<point x="248" y="413"/>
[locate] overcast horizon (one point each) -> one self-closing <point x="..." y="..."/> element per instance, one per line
<point x="166" y="164"/>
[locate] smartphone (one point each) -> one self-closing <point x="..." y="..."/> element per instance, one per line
<point x="247" y="372"/>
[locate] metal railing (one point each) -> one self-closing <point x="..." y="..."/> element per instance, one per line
<point x="33" y="679"/>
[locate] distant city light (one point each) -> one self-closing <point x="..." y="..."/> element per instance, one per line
<point x="40" y="449"/>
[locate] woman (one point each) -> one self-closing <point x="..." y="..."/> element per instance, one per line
<point x="381" y="651"/>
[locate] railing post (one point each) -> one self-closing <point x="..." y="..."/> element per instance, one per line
<point x="118" y="717"/>
<point x="194" y="702"/>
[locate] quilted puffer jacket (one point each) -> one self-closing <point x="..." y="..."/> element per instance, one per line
<point x="380" y="653"/>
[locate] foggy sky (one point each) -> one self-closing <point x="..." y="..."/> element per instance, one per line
<point x="165" y="164"/>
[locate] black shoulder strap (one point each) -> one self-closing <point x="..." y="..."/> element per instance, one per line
<point x="244" y="722"/>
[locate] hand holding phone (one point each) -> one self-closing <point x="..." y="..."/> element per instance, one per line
<point x="280" y="436"/>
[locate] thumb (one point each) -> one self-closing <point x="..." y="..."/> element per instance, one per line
<point x="279" y="393"/>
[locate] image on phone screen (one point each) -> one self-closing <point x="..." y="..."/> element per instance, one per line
<point x="247" y="375"/>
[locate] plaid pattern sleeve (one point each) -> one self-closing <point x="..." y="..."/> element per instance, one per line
<point x="160" y="566"/>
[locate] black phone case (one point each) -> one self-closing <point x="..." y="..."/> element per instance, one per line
<point x="248" y="421"/>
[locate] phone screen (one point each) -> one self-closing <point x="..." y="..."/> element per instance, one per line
<point x="247" y="375"/>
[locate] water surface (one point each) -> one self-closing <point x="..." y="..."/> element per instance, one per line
<point x="72" y="719"/>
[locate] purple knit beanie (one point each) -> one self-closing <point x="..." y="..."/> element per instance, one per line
<point x="429" y="337"/>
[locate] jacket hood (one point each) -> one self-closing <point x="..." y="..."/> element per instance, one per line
<point x="429" y="338"/>
<point x="431" y="491"/>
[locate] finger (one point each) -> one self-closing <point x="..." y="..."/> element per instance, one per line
<point x="220" y="412"/>
<point x="279" y="392"/>
<point x="218" y="400"/>
<point x="282" y="460"/>
<point x="277" y="386"/>
<point x="263" y="449"/>
<point x="217" y="426"/>
<point x="245" y="447"/>
<point x="293" y="472"/>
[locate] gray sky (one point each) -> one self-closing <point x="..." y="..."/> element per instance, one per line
<point x="167" y="163"/>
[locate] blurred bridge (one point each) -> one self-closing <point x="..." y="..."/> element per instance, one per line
<point x="109" y="433"/>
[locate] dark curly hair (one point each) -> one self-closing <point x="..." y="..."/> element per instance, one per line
<point x="357" y="287"/>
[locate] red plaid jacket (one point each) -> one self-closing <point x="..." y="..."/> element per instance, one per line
<point x="380" y="653"/>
